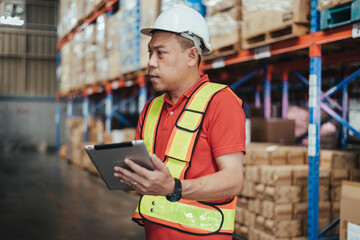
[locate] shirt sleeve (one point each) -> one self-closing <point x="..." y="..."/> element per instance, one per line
<point x="225" y="124"/>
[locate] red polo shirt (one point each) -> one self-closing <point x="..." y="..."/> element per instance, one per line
<point x="223" y="132"/>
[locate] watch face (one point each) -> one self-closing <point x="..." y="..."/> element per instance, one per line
<point x="172" y="197"/>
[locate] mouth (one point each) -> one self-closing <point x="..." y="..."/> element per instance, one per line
<point x="153" y="77"/>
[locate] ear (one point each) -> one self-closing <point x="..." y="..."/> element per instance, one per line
<point x="193" y="54"/>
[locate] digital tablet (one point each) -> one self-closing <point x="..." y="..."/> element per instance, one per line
<point x="106" y="156"/>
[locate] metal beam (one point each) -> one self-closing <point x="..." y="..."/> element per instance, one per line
<point x="245" y="79"/>
<point x="333" y="114"/>
<point x="330" y="100"/>
<point x="328" y="228"/>
<point x="334" y="89"/>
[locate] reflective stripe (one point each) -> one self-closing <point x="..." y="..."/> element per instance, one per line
<point x="186" y="215"/>
<point x="176" y="167"/>
<point x="201" y="99"/>
<point x="150" y="126"/>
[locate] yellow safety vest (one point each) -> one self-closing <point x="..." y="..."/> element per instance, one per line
<point x="194" y="217"/>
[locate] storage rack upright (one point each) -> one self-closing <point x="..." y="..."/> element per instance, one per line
<point x="312" y="41"/>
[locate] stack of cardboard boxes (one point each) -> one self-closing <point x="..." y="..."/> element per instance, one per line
<point x="273" y="203"/>
<point x="75" y="152"/>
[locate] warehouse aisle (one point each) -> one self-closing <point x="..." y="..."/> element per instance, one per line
<point x="42" y="197"/>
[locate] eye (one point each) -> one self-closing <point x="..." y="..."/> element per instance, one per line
<point x="150" y="52"/>
<point x="160" y="52"/>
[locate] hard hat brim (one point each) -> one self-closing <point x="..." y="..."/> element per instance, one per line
<point x="147" y="32"/>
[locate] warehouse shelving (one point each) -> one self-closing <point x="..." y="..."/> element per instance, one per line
<point x="314" y="43"/>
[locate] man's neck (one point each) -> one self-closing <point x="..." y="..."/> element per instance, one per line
<point x="184" y="87"/>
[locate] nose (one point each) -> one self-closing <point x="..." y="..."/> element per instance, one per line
<point x="152" y="62"/>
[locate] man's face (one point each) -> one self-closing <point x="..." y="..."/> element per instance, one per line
<point x="167" y="62"/>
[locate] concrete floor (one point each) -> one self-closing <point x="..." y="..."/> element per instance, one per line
<point x="42" y="197"/>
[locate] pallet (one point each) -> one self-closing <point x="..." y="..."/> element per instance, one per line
<point x="222" y="52"/>
<point x="340" y="15"/>
<point x="275" y="35"/>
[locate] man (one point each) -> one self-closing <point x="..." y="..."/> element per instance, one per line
<point x="195" y="133"/>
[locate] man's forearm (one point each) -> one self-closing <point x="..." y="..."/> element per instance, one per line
<point x="225" y="183"/>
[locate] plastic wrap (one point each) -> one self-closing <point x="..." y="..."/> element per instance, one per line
<point x="129" y="25"/>
<point x="215" y="6"/>
<point x="223" y="23"/>
<point x="267" y="5"/>
<point x="195" y="4"/>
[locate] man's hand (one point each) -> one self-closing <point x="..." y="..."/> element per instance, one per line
<point x="156" y="182"/>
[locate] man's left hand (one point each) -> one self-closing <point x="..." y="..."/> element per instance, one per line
<point x="156" y="182"/>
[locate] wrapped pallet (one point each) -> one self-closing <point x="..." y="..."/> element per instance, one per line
<point x="129" y="25"/>
<point x="224" y="27"/>
<point x="90" y="53"/>
<point x="102" y="62"/>
<point x="113" y="46"/>
<point x="77" y="67"/>
<point x="149" y="11"/>
<point x="268" y="21"/>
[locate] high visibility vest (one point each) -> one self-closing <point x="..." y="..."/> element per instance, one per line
<point x="194" y="217"/>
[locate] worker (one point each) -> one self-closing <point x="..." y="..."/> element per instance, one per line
<point x="195" y="133"/>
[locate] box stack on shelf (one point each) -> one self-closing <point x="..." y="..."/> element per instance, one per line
<point x="75" y="152"/>
<point x="265" y="22"/>
<point x="273" y="203"/>
<point x="90" y="53"/>
<point x="224" y="20"/>
<point x="102" y="61"/>
<point x="107" y="48"/>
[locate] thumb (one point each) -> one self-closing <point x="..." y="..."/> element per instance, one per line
<point x="158" y="164"/>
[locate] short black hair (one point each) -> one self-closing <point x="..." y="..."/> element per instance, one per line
<point x="186" y="43"/>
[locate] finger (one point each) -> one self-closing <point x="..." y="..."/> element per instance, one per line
<point x="158" y="164"/>
<point x="141" y="171"/>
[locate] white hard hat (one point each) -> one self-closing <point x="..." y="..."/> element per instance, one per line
<point x="186" y="22"/>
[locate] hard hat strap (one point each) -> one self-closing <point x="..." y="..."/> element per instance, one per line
<point x="197" y="41"/>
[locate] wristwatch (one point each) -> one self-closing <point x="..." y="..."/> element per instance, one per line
<point x="176" y="195"/>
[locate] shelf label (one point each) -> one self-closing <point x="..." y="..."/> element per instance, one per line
<point x="312" y="140"/>
<point x="262" y="52"/>
<point x="115" y="85"/>
<point x="218" y="63"/>
<point x="356" y="30"/>
<point x="313" y="90"/>
<point x="108" y="106"/>
<point x="69" y="109"/>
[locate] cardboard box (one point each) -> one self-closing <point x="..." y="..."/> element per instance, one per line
<point x="284" y="229"/>
<point x="259" y="17"/>
<point x="276" y="175"/>
<point x="224" y="28"/>
<point x="273" y="130"/>
<point x="338" y="159"/>
<point x="335" y="193"/>
<point x="283" y="194"/>
<point x="239" y="215"/>
<point x="338" y="175"/>
<point x="349" y="209"/>
<point x="248" y="189"/>
<point x="276" y="211"/>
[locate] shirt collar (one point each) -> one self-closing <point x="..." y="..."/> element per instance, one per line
<point x="187" y="94"/>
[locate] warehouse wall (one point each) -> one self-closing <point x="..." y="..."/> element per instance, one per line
<point x="28" y="75"/>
